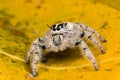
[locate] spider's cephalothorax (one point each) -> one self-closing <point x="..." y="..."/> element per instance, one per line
<point x="62" y="36"/>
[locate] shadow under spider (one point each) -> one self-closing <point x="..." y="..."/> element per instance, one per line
<point x="68" y="55"/>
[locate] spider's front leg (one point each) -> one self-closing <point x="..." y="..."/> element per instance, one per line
<point x="91" y="30"/>
<point x="90" y="34"/>
<point x="94" y="40"/>
<point x="36" y="52"/>
<point x="82" y="45"/>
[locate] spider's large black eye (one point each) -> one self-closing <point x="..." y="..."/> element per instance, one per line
<point x="54" y="29"/>
<point x="58" y="27"/>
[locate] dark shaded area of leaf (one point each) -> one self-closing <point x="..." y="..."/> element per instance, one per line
<point x="5" y="21"/>
<point x="13" y="33"/>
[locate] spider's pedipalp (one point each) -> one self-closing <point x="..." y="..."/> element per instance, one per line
<point x="91" y="30"/>
<point x="87" y="52"/>
<point x="94" y="40"/>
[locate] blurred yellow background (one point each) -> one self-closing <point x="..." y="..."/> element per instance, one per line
<point x="21" y="21"/>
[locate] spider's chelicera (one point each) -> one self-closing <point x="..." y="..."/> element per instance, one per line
<point x="62" y="36"/>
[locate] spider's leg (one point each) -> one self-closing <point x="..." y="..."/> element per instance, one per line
<point x="30" y="53"/>
<point x="86" y="28"/>
<point x="87" y="52"/>
<point x="37" y="54"/>
<point x="36" y="58"/>
<point x="94" y="40"/>
<point x="28" y="57"/>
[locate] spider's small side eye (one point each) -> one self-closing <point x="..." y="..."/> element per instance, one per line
<point x="60" y="25"/>
<point x="53" y="27"/>
<point x="39" y="39"/>
<point x="65" y="24"/>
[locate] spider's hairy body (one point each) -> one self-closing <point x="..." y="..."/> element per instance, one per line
<point x="62" y="39"/>
<point x="62" y="36"/>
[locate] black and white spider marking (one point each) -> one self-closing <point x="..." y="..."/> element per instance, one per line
<point x="62" y="36"/>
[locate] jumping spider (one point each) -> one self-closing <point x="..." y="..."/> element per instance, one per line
<point x="62" y="36"/>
